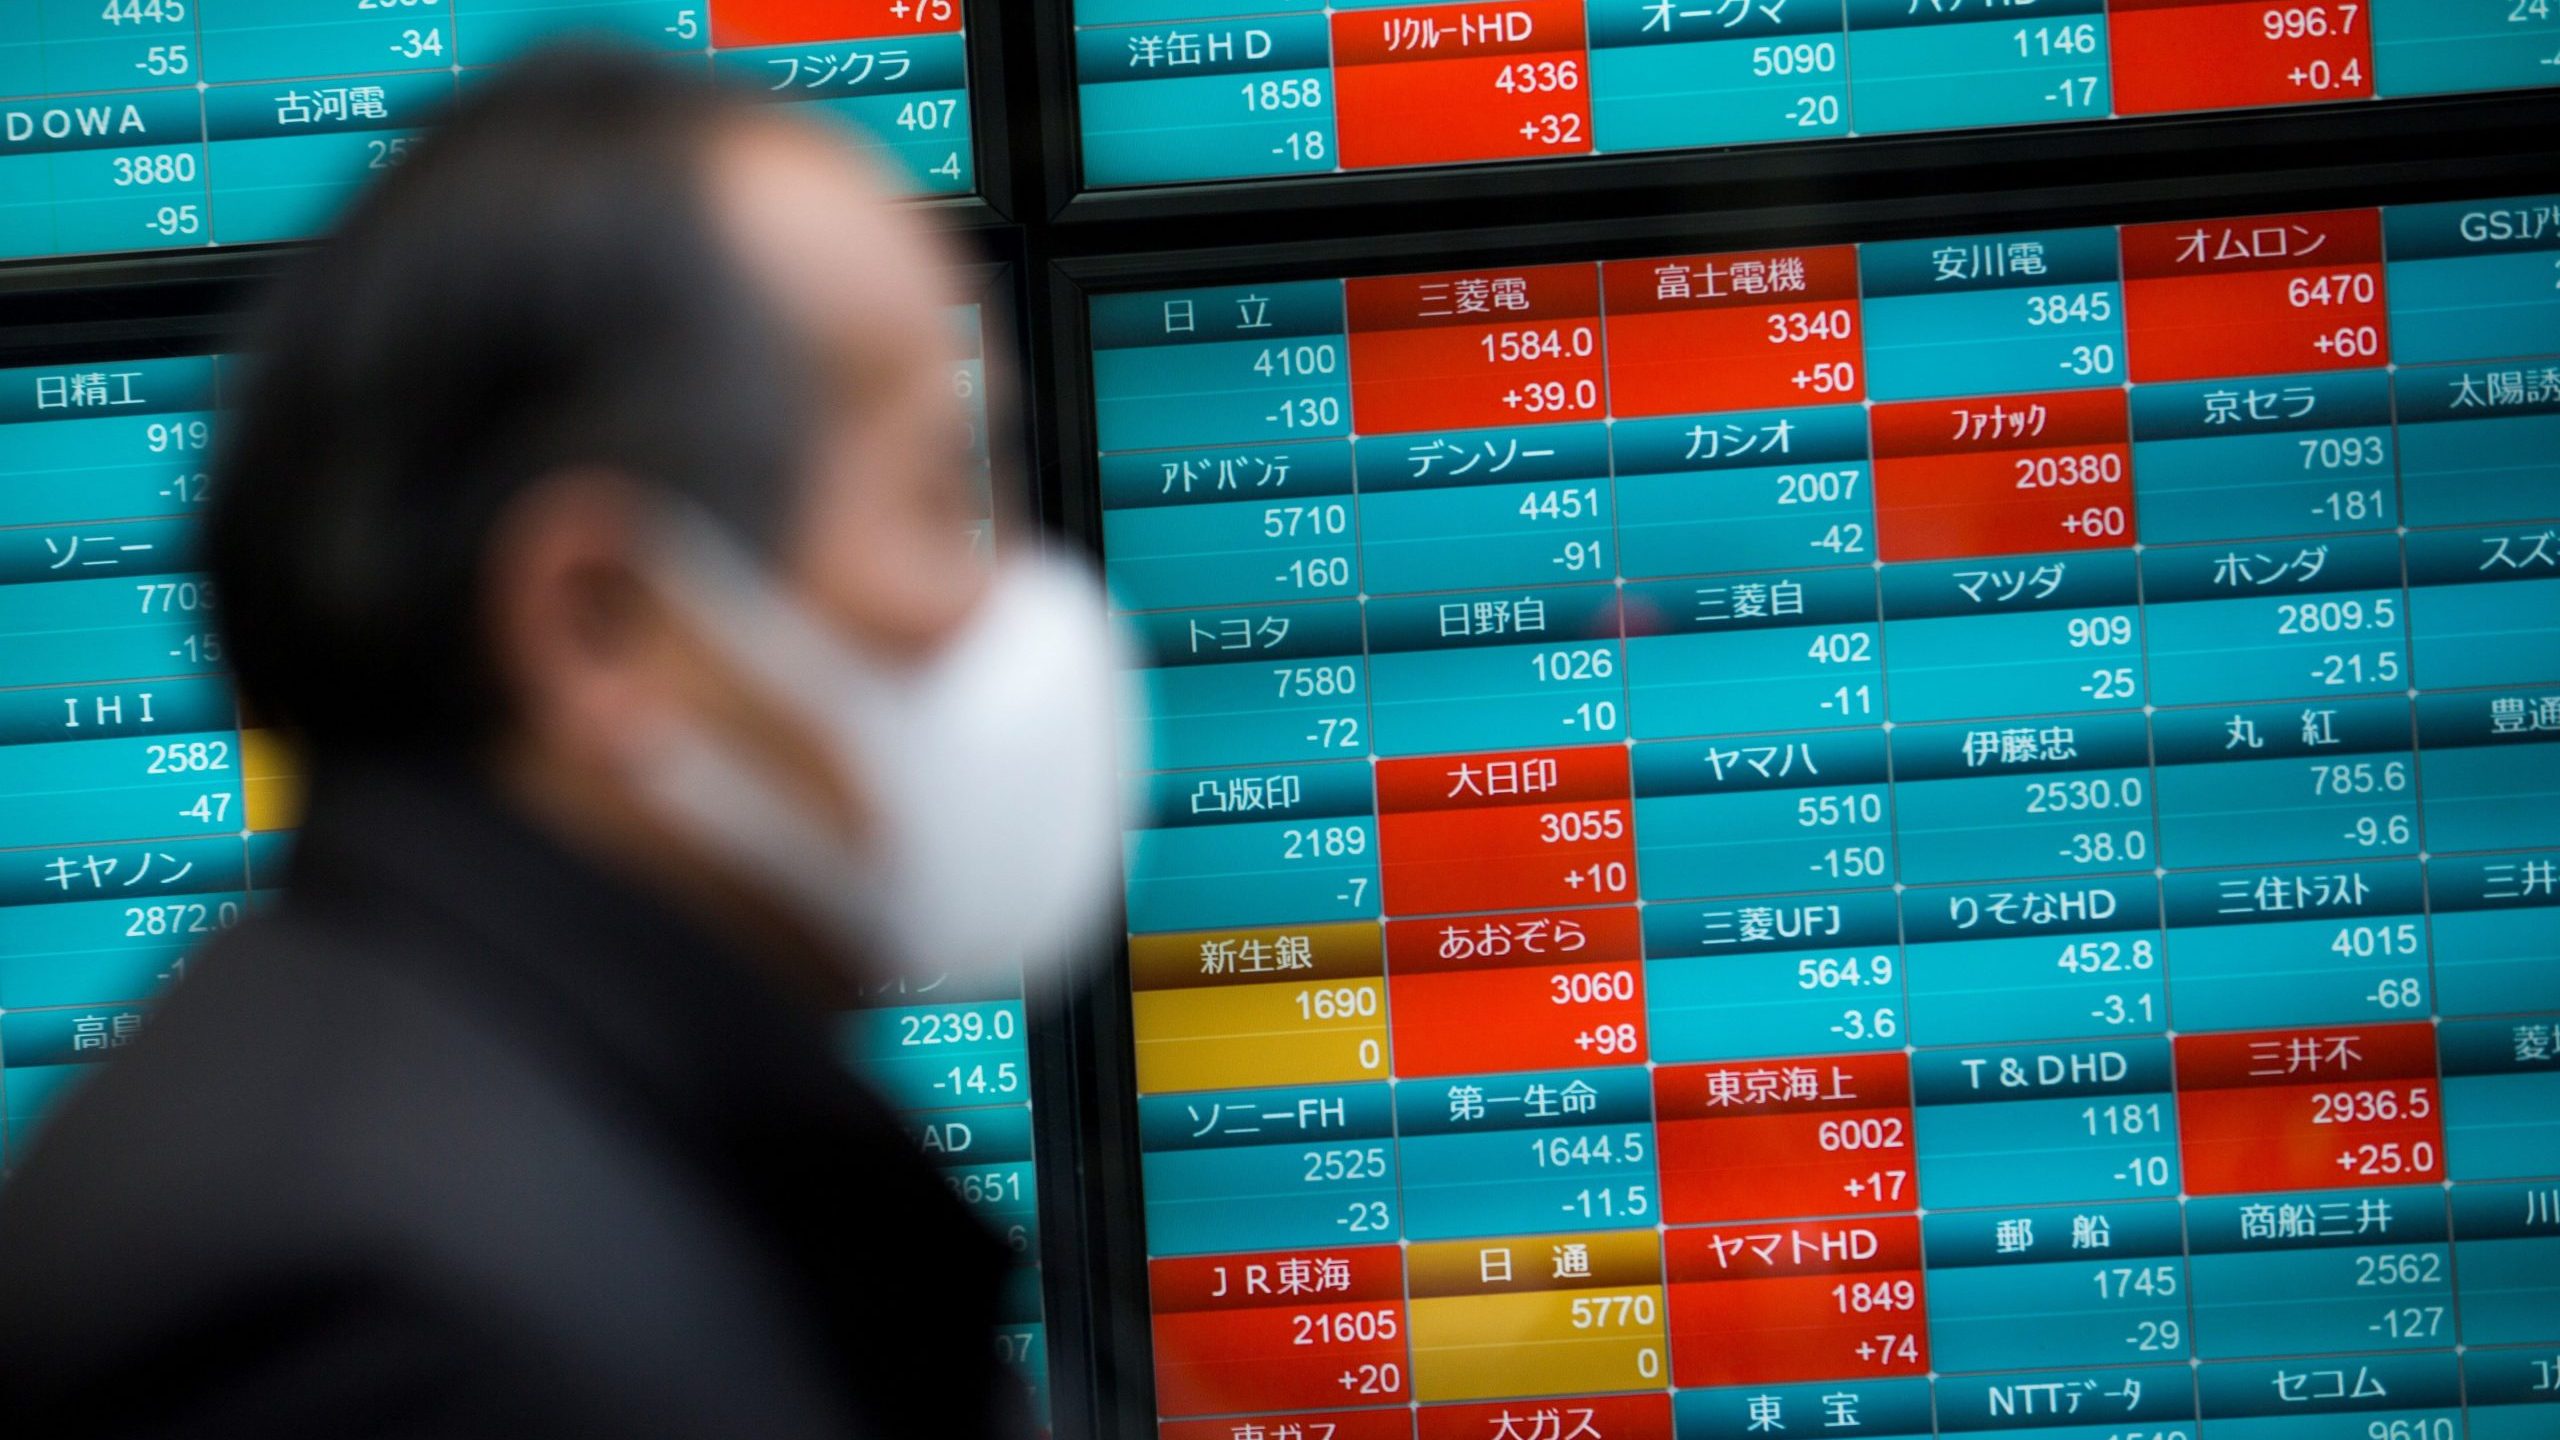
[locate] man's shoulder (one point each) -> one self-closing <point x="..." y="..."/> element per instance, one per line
<point x="312" y="1117"/>
<point x="301" y="1055"/>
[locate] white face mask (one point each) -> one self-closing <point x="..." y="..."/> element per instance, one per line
<point x="988" y="770"/>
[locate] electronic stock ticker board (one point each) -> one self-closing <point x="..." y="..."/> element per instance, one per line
<point x="154" y="124"/>
<point x="1186" y="90"/>
<point x="139" y="815"/>
<point x="1945" y="837"/>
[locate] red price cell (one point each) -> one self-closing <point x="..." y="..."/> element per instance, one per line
<point x="736" y="24"/>
<point x="1583" y="1417"/>
<point x="2273" y="295"/>
<point x="1436" y="84"/>
<point x="1768" y="1304"/>
<point x="1457" y="352"/>
<point x="1285" y="1330"/>
<point x="2009" y="475"/>
<point x="2309" y="1109"/>
<point x="1762" y="1138"/>
<point x="1477" y="994"/>
<point x="2231" y="54"/>
<point x="1460" y="833"/>
<point x="1395" y="1424"/>
<point x="1734" y="332"/>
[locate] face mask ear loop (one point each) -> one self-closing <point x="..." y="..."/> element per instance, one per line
<point x="732" y="600"/>
<point x="718" y="586"/>
<point x="722" y="797"/>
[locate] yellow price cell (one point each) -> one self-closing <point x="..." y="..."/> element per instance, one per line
<point x="1537" y="1342"/>
<point x="1238" y="1037"/>
<point x="1537" y="1315"/>
<point x="272" y="771"/>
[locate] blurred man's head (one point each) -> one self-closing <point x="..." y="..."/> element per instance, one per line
<point x="605" y="298"/>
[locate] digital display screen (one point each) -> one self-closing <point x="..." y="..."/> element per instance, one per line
<point x="152" y="124"/>
<point x="138" y="816"/>
<point x="1931" y="838"/>
<point x="1188" y="90"/>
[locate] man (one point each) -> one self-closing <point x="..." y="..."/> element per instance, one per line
<point x="597" y="523"/>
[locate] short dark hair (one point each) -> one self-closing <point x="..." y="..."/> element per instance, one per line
<point x="539" y="286"/>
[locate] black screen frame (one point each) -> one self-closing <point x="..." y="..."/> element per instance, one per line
<point x="1124" y="1381"/>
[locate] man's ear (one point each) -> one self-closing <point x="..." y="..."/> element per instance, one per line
<point x="576" y="637"/>
<point x="598" y="655"/>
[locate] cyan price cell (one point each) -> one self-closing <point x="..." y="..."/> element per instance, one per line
<point x="2104" y="1283"/>
<point x="1667" y="77"/>
<point x="1222" y="848"/>
<point x="125" y="439"/>
<point x="285" y="157"/>
<point x="1940" y="66"/>
<point x="2276" y="620"/>
<point x="2266" y="947"/>
<point x="2501" y="1097"/>
<point x="1267" y="1169"/>
<point x="2472" y="280"/>
<point x="1729" y="654"/>
<point x="2335" y="1270"/>
<point x="2480" y="444"/>
<point x="2496" y="922"/>
<point x="1226" y="687"/>
<point x="1496" y="670"/>
<point x="984" y="1155"/>
<point x="2038" y="1124"/>
<point x="2267" y="784"/>
<point x="1527" y="1154"/>
<point x="2013" y="314"/>
<point x="2484" y="607"/>
<point x="2506" y="1241"/>
<point x="934" y="1057"/>
<point x="1465" y="510"/>
<point x="2489" y="769"/>
<point x="2049" y="961"/>
<point x="1728" y="981"/>
<point x="2057" y="797"/>
<point x="2265" y="457"/>
<point x="1178" y="368"/>
<point x="2025" y="635"/>
<point x="1748" y="490"/>
<point x="1204" y="101"/>
<point x="1759" y="815"/>
<point x="1237" y="525"/>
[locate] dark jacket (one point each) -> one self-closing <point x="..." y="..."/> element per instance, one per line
<point x="467" y="1137"/>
